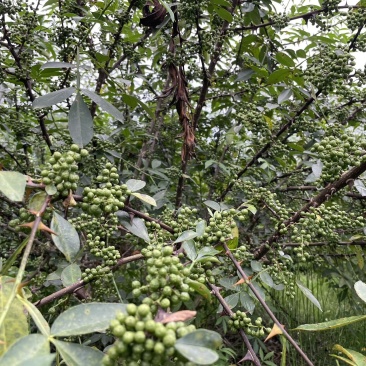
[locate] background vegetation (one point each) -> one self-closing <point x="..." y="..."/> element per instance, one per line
<point x="181" y="180"/>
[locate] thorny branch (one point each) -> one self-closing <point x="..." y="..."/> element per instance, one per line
<point x="265" y="306"/>
<point x="322" y="197"/>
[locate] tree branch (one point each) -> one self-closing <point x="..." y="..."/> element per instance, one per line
<point x="322" y="197"/>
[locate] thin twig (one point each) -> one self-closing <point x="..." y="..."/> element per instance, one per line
<point x="265" y="306"/>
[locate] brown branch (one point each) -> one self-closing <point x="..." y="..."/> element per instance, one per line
<point x="265" y="306"/>
<point x="27" y="82"/>
<point x="322" y="197"/>
<point x="211" y="67"/>
<point x="226" y="307"/>
<point x="201" y="100"/>
<point x="305" y="16"/>
<point x="269" y="144"/>
<point x="323" y="243"/>
<point x="78" y="285"/>
<point x="148" y="218"/>
<point x="148" y="147"/>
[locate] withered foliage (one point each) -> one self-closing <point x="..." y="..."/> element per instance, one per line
<point x="154" y="17"/>
<point x="178" y="88"/>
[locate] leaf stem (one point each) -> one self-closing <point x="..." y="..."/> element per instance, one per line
<point x="24" y="261"/>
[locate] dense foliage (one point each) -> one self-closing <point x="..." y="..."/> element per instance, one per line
<point x="168" y="169"/>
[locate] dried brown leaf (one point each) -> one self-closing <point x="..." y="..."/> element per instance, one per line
<point x="154" y="17"/>
<point x="179" y="316"/>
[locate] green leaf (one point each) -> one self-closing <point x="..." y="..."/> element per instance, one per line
<point x="28" y="350"/>
<point x="135" y="185"/>
<point x="200" y="227"/>
<point x="301" y="53"/>
<point x="9" y="262"/>
<point x="80" y="122"/>
<point x="146" y="198"/>
<point x="51" y="189"/>
<point x="232" y="300"/>
<point x="37" y="200"/>
<point x="78" y="355"/>
<point x="53" y="98"/>
<point x="247" y="302"/>
<point x="266" y="278"/>
<point x="256" y="266"/>
<point x="106" y="106"/>
<point x="12" y="185"/>
<point x="244" y="75"/>
<point x="198" y="346"/>
<point x="67" y="239"/>
<point x="57" y="65"/>
<point x="200" y="288"/>
<point x="190" y="249"/>
<point x="137" y="227"/>
<point x="36" y="315"/>
<point x="130" y="100"/>
<point x="224" y="14"/>
<point x="308" y="294"/>
<point x="284" y="96"/>
<point x="212" y="204"/>
<point x="186" y="235"/>
<point x="207" y="252"/>
<point x="285" y="59"/>
<point x="228" y="283"/>
<point x="71" y="274"/>
<point x="168" y="9"/>
<point x="15" y="324"/>
<point x="358" y="184"/>
<point x="278" y="75"/>
<point x="360" y="288"/>
<point x="332" y="324"/>
<point x="86" y="318"/>
<point x="250" y="207"/>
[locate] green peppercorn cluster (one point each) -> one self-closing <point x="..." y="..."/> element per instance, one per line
<point x="104" y="225"/>
<point x="280" y="20"/>
<point x="62" y="170"/>
<point x="107" y="199"/>
<point x="330" y="6"/>
<point x="240" y="320"/>
<point x="282" y="273"/>
<point x="325" y="222"/>
<point x="251" y="116"/>
<point x="108" y="253"/>
<point x="356" y="18"/>
<point x="96" y="272"/>
<point x="184" y="220"/>
<point x="360" y="44"/>
<point x="219" y="228"/>
<point x="338" y="153"/>
<point x="165" y="278"/>
<point x="328" y="68"/>
<point x="143" y="341"/>
<point x="99" y="248"/>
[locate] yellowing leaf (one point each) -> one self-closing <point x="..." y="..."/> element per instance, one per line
<point x="145" y="198"/>
<point x="15" y="324"/>
<point x="269" y="122"/>
<point x="275" y="331"/>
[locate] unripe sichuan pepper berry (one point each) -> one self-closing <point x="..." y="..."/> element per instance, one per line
<point x="62" y="170"/>
<point x="142" y="339"/>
